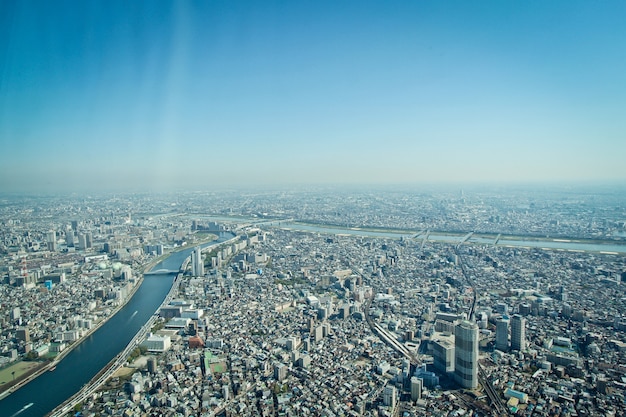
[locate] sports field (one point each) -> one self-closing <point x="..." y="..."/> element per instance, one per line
<point x="20" y="368"/>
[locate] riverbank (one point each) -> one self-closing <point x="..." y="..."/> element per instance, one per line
<point x="119" y="360"/>
<point x="42" y="367"/>
<point x="531" y="241"/>
<point x="51" y="364"/>
<point x="420" y="232"/>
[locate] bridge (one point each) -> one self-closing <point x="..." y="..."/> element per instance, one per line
<point x="162" y="272"/>
<point x="424" y="239"/>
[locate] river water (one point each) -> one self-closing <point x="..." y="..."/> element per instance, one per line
<point x="559" y="244"/>
<point x="541" y="243"/>
<point x="52" y="388"/>
<point x="43" y="394"/>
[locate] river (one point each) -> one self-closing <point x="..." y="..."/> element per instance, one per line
<point x="43" y="394"/>
<point x="543" y="243"/>
<point x="573" y="245"/>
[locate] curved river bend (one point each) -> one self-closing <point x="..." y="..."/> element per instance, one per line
<point x="43" y="394"/>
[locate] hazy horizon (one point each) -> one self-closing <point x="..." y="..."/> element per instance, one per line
<point x="161" y="96"/>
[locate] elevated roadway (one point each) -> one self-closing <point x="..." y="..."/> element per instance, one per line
<point x="92" y="386"/>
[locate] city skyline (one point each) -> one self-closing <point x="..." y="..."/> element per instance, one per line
<point x="181" y="95"/>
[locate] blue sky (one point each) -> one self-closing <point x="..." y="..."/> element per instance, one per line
<point x="161" y="94"/>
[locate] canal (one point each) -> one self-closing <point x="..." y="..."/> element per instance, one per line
<point x="43" y="394"/>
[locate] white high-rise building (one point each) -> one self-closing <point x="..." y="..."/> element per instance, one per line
<point x="69" y="237"/>
<point x="197" y="265"/>
<point x="518" y="333"/>
<point x="466" y="354"/>
<point x="82" y="241"/>
<point x="502" y="334"/>
<point x="51" y="238"/>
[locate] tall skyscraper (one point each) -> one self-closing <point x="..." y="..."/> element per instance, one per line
<point x="82" y="241"/>
<point x="51" y="239"/>
<point x="197" y="266"/>
<point x="518" y="333"/>
<point x="69" y="238"/>
<point x="466" y="354"/>
<point x="502" y="334"/>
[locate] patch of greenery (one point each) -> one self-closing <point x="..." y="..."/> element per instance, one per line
<point x="157" y="326"/>
<point x="137" y="352"/>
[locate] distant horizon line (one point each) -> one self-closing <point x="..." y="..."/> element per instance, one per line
<point x="302" y="187"/>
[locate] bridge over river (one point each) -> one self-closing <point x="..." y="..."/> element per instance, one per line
<point x="163" y="272"/>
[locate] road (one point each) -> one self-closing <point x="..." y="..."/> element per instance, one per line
<point x="496" y="402"/>
<point x="93" y="385"/>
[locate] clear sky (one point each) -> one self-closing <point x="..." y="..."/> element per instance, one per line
<point x="106" y="94"/>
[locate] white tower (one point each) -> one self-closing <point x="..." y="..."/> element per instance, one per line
<point x="197" y="266"/>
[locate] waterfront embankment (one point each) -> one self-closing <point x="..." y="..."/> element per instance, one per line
<point x="43" y="366"/>
<point x="119" y="360"/>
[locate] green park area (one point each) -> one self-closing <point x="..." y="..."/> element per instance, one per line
<point x="216" y="364"/>
<point x="15" y="371"/>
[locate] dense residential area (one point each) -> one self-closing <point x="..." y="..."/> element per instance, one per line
<point x="361" y="304"/>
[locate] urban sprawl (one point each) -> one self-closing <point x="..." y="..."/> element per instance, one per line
<point x="360" y="302"/>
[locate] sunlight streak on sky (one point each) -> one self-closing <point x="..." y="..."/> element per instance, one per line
<point x="204" y="94"/>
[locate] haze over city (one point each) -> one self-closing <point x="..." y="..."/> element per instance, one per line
<point x="155" y="95"/>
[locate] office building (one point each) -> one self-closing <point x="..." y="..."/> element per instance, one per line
<point x="152" y="364"/>
<point x="280" y="371"/>
<point x="443" y="356"/>
<point x="82" y="241"/>
<point x="390" y="396"/>
<point x="518" y="333"/>
<point x="197" y="265"/>
<point x="226" y="392"/>
<point x="502" y="334"/>
<point x="319" y="333"/>
<point x="23" y="335"/>
<point x="466" y="354"/>
<point x="416" y="388"/>
<point x="51" y="239"/>
<point x="69" y="238"/>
